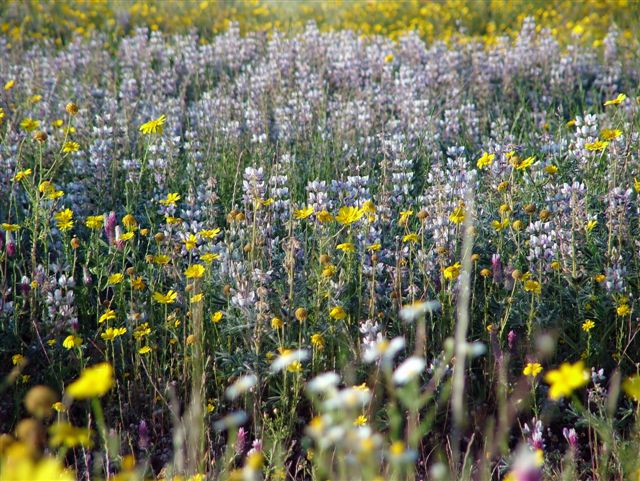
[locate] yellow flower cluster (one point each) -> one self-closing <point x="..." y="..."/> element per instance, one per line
<point x="449" y="20"/>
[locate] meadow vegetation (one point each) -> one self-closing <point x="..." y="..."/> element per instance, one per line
<point x="345" y="241"/>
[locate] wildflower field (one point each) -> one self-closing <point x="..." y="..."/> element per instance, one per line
<point x="328" y="241"/>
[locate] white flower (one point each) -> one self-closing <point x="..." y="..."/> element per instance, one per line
<point x="384" y="349"/>
<point x="348" y="398"/>
<point x="241" y="386"/>
<point x="414" y="311"/>
<point x="323" y="382"/>
<point x="231" y="421"/>
<point x="286" y="360"/>
<point x="408" y="370"/>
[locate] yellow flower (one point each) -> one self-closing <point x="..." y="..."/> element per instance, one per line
<point x="266" y="202"/>
<point x="588" y="325"/>
<point x="500" y="225"/>
<point x="485" y="160"/>
<point x="130" y="222"/>
<point x="190" y="242"/>
<point x="196" y="271"/>
<point x="317" y="341"/>
<point x="374" y="247"/>
<point x="19" y="465"/>
<point x="360" y="420"/>
<point x="457" y="216"/>
<point x="452" y="272"/>
<point x="277" y="323"/>
<point x="596" y="146"/>
<point x="17" y="359"/>
<point x="153" y="126"/>
<point x="397" y="448"/>
<point x="346" y="247"/>
<point x="72" y="341"/>
<point x="216" y="317"/>
<point x="551" y="169"/>
<point x="107" y="316"/>
<point x="532" y="286"/>
<point x="349" y="215"/>
<point x="9" y="85"/>
<point x="636" y="184"/>
<point x="70" y="147"/>
<point x="95" y="222"/>
<point x="161" y="259"/>
<point x="209" y="233"/>
<point x="10" y="227"/>
<point x="116" y="278"/>
<point x="303" y="213"/>
<point x="388" y="58"/>
<point x="29" y="124"/>
<point x="141" y="331"/>
<point x="111" y="333"/>
<point x="369" y="207"/>
<point x="532" y="369"/>
<point x="295" y="367"/>
<point x="631" y="386"/>
<point x="168" y="298"/>
<point x="591" y="225"/>
<point x="144" y="350"/>
<point x="623" y="309"/>
<point x="404" y="216"/>
<point x="126" y="236"/>
<point x="566" y="379"/>
<point x="209" y="257"/>
<point x="64" y="434"/>
<point x="64" y="219"/>
<point x="171" y="199"/>
<point x="617" y="101"/>
<point x="338" y="313"/>
<point x="329" y="270"/>
<point x="95" y="381"/>
<point x="197" y="298"/>
<point x="526" y="163"/>
<point x="59" y="407"/>
<point x="410" y="238"/>
<point x="324" y="216"/>
<point x="21" y="175"/>
<point x="610" y="134"/>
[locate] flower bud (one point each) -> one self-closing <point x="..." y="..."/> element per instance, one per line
<point x="39" y="400"/>
<point x="544" y="214"/>
<point x="40" y="136"/>
<point x="301" y="314"/>
<point x="72" y="109"/>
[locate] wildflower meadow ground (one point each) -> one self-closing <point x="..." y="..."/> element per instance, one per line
<point x="335" y="241"/>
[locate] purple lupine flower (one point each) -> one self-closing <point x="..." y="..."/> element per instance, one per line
<point x="143" y="435"/>
<point x="11" y="245"/>
<point x="25" y="286"/>
<point x="110" y="222"/>
<point x="496" y="268"/>
<point x="256" y="446"/>
<point x="241" y="441"/>
<point x="86" y="276"/>
<point x="571" y="437"/>
<point x="511" y="338"/>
